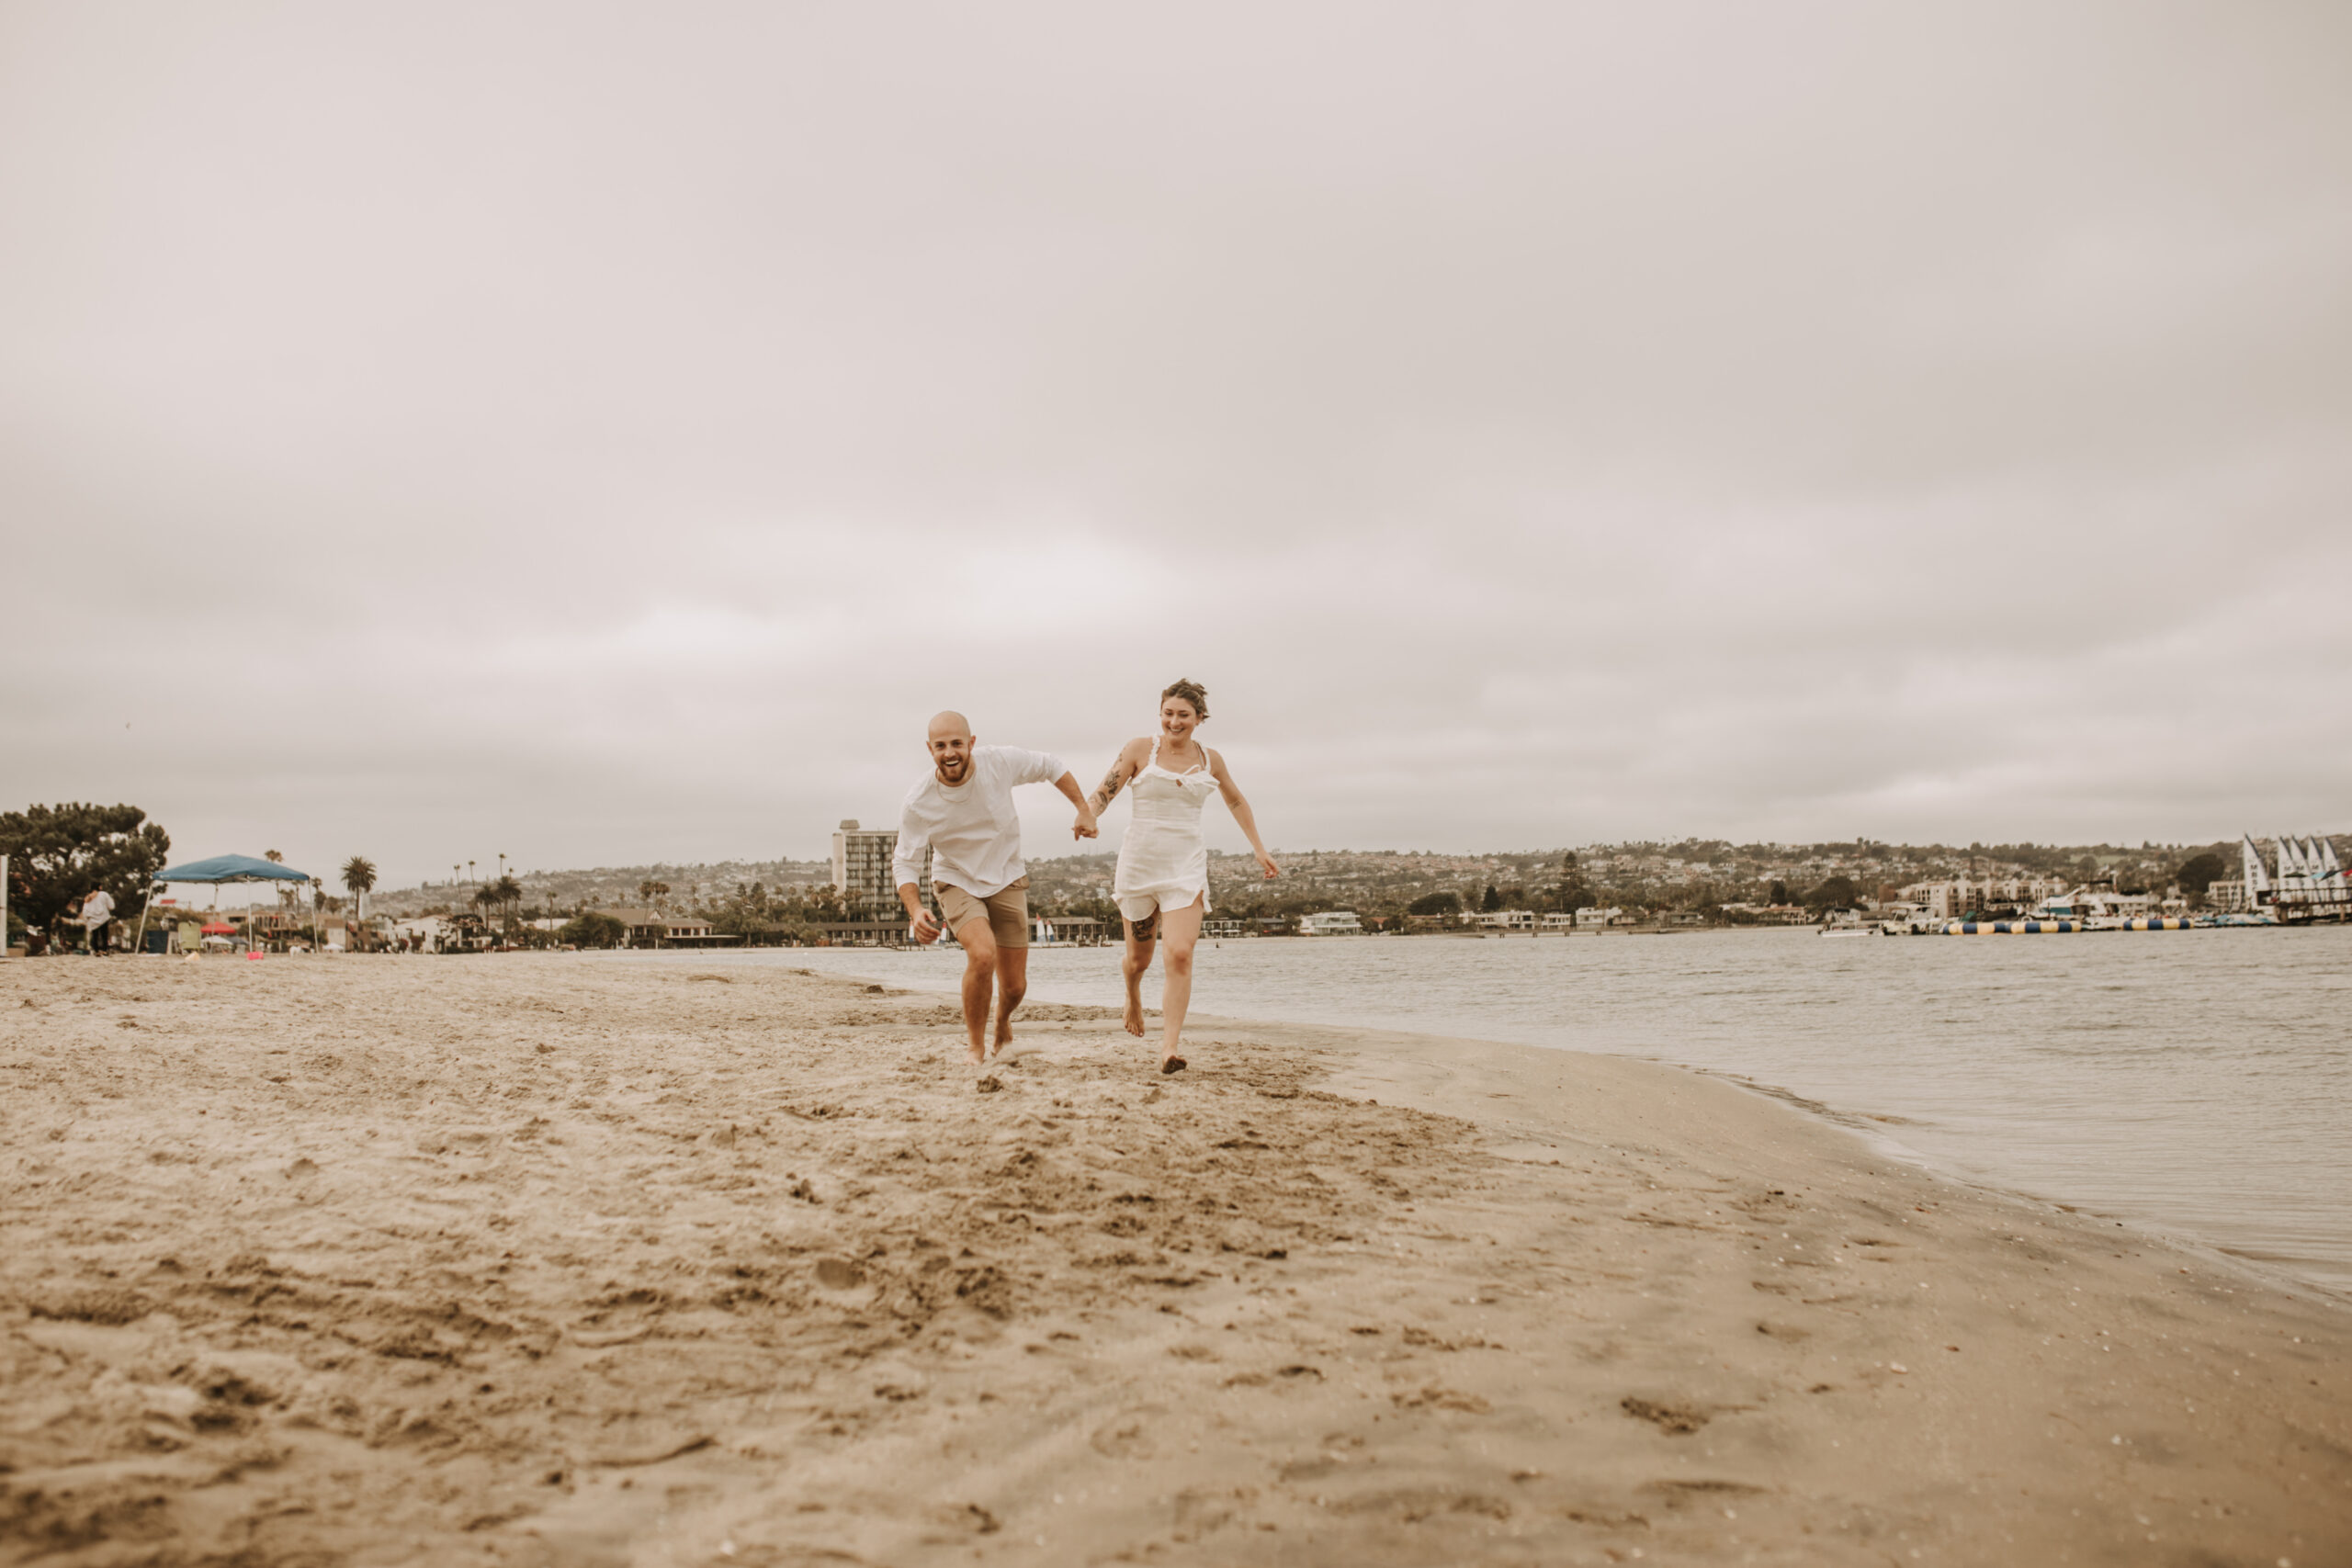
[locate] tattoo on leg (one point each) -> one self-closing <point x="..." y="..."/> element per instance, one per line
<point x="1148" y="928"/>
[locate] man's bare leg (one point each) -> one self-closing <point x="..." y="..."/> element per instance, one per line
<point x="979" y="980"/>
<point x="1141" y="934"/>
<point x="1181" y="929"/>
<point x="1011" y="985"/>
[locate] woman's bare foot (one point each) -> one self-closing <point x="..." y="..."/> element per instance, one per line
<point x="1135" y="1010"/>
<point x="1171" y="1064"/>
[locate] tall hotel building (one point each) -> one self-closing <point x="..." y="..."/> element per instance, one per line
<point x="862" y="869"/>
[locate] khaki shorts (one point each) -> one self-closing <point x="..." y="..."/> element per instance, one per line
<point x="1006" y="912"/>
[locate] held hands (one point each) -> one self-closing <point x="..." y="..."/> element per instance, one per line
<point x="1266" y="863"/>
<point x="1088" y="825"/>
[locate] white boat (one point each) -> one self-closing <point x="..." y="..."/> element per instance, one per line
<point x="2094" y="908"/>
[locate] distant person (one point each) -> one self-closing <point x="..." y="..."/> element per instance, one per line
<point x="98" y="914"/>
<point x="963" y="813"/>
<point x="1162" y="884"/>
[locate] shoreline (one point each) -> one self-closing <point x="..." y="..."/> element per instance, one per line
<point x="539" y="1261"/>
<point x="2322" y="1276"/>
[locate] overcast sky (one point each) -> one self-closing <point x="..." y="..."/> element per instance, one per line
<point x="605" y="433"/>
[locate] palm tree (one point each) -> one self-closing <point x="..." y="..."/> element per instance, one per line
<point x="359" y="877"/>
<point x="285" y="894"/>
<point x="508" y="892"/>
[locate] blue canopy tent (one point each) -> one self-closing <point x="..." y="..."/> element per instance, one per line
<point x="216" y="871"/>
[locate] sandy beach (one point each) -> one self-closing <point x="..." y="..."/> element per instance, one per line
<point x="549" y="1259"/>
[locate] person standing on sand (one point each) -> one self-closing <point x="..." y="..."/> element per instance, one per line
<point x="963" y="814"/>
<point x="1162" y="884"/>
<point x="98" y="913"/>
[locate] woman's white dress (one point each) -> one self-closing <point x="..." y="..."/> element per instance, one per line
<point x="1163" y="860"/>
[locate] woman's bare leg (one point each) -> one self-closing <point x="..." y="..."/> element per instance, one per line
<point x="1180" y="930"/>
<point x="1141" y="935"/>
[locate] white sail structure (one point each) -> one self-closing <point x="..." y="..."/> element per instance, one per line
<point x="2258" y="879"/>
<point x="2328" y="864"/>
<point x="2290" y="863"/>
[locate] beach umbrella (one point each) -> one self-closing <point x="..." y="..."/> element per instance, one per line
<point x="216" y="871"/>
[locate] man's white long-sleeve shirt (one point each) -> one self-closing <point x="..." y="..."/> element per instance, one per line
<point x="972" y="829"/>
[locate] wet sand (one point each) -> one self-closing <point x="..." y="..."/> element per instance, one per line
<point x="556" y="1260"/>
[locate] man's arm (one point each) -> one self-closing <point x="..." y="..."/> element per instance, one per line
<point x="1044" y="767"/>
<point x="1086" y="827"/>
<point x="906" y="871"/>
<point x="919" y="922"/>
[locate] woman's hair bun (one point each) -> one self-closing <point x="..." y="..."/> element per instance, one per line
<point x="1191" y="692"/>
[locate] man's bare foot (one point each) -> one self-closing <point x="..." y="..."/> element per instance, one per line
<point x="978" y="1055"/>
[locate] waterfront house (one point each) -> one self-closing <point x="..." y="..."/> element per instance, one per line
<point x="649" y="928"/>
<point x="1330" y="923"/>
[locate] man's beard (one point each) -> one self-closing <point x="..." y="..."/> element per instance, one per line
<point x="956" y="774"/>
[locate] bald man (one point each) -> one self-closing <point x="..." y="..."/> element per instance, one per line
<point x="963" y="814"/>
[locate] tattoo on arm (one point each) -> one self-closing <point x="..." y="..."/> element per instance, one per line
<point x="1105" y="792"/>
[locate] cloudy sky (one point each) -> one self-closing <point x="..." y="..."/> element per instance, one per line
<point x="603" y="434"/>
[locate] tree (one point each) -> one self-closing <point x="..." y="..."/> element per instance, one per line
<point x="358" y="878"/>
<point x="289" y="893"/>
<point x="594" y="929"/>
<point x="1573" y="894"/>
<point x="1779" y="893"/>
<point x="1492" y="901"/>
<point x="509" y="892"/>
<point x="1834" y="892"/>
<point x="2199" y="873"/>
<point x="1446" y="903"/>
<point x="57" y="853"/>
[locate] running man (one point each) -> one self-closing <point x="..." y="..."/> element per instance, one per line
<point x="963" y="814"/>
